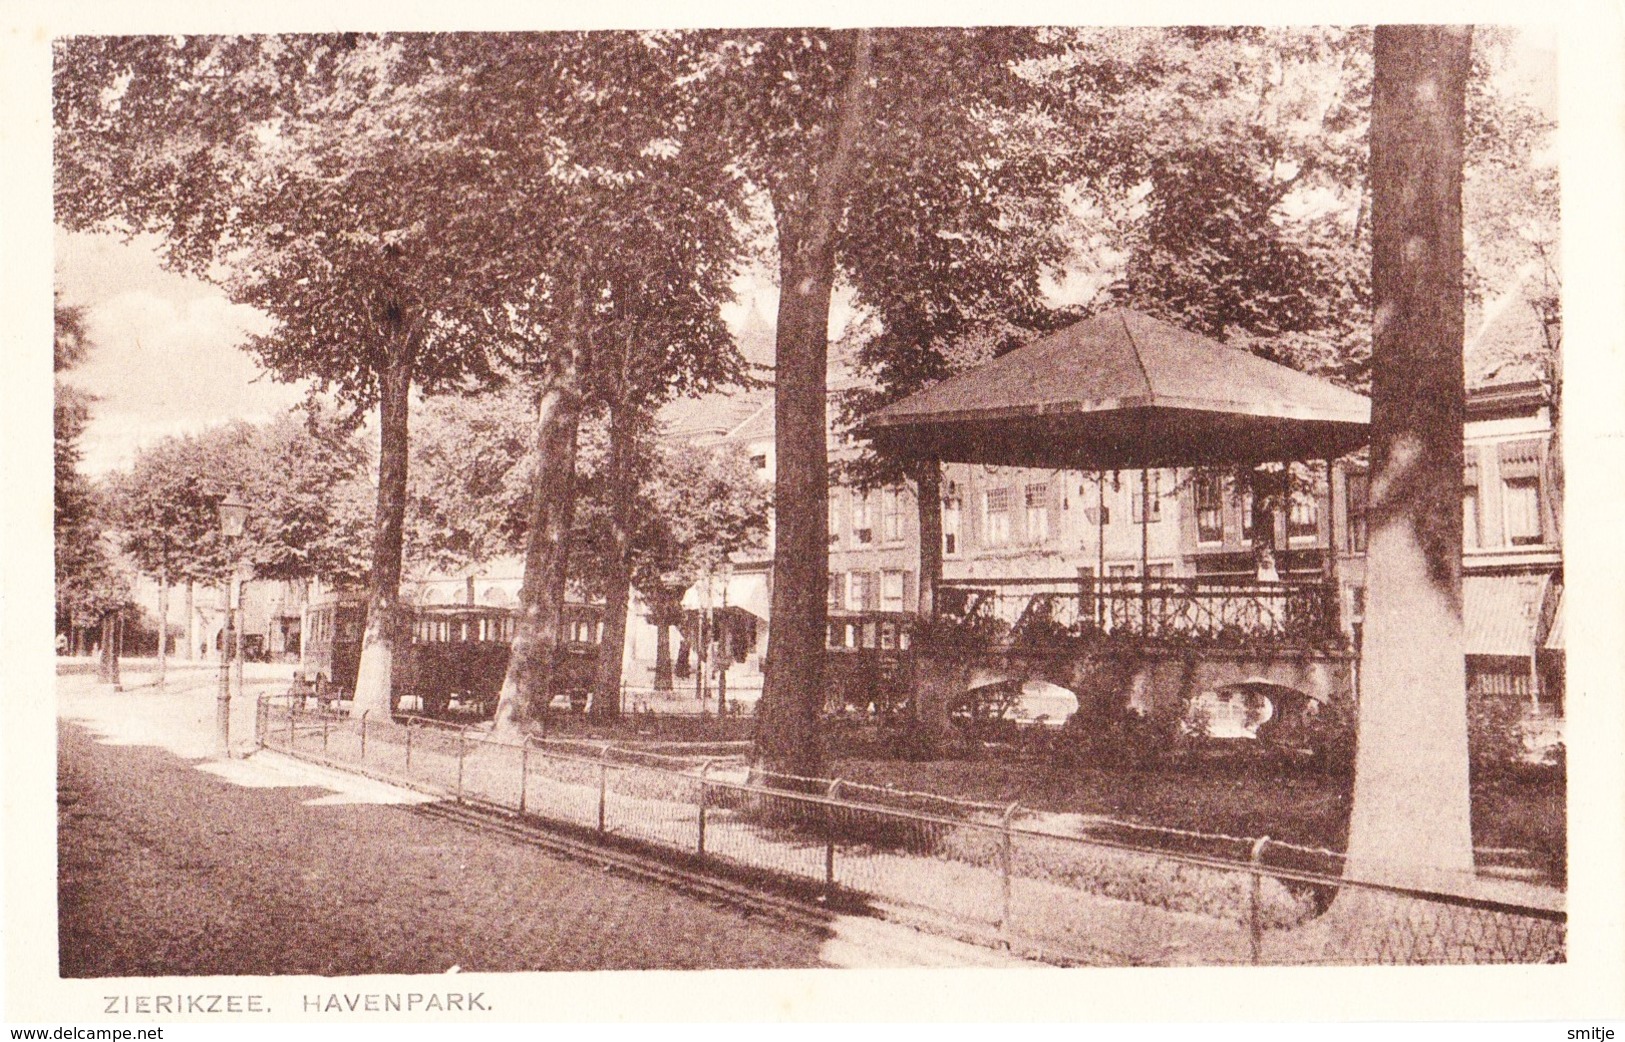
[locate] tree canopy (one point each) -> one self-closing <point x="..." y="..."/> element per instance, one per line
<point x="304" y="478"/>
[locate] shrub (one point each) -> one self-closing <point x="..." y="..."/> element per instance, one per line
<point x="1494" y="734"/>
<point x="1332" y="733"/>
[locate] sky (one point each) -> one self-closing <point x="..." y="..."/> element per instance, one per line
<point x="169" y="352"/>
<point x="168" y="355"/>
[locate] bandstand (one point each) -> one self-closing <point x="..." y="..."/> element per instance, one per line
<point x="1125" y="391"/>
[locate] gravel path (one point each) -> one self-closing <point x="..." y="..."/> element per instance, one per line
<point x="168" y="870"/>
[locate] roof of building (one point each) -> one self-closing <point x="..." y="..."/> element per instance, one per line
<point x="1123" y="389"/>
<point x="1509" y="336"/>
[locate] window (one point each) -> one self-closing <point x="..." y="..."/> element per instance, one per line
<point x="996" y="516"/>
<point x="950" y="520"/>
<point x="1209" y="508"/>
<point x="862" y="591"/>
<point x="1136" y="508"/>
<point x="1303" y="520"/>
<point x="863" y="531"/>
<point x="837" y="589"/>
<point x="1521" y="498"/>
<point x="891" y="515"/>
<point x="759" y="461"/>
<point x="1359" y="490"/>
<point x="1247" y="515"/>
<point x="892" y="585"/>
<point x="1521" y="502"/>
<point x="1037" y="503"/>
<point x="832" y="509"/>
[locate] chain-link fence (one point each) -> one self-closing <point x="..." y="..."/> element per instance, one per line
<point x="1107" y="892"/>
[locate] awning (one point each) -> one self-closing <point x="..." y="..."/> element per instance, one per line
<point x="746" y="591"/>
<point x="1501" y="613"/>
<point x="1554" y="636"/>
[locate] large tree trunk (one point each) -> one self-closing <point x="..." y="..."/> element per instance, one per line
<point x="375" y="675"/>
<point x="107" y="666"/>
<point x="927" y="476"/>
<point x="527" y="687"/>
<point x="787" y="738"/>
<point x="928" y="701"/>
<point x="665" y="612"/>
<point x="163" y="622"/>
<point x="191" y="621"/>
<point x="623" y="431"/>
<point x="1410" y="820"/>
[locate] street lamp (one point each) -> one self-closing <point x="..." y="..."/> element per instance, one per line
<point x="724" y="637"/>
<point x="233" y="515"/>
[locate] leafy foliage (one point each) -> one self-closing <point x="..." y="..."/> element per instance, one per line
<point x="469" y="478"/>
<point x="89" y="581"/>
<point x="304" y="479"/>
<point x="693" y="507"/>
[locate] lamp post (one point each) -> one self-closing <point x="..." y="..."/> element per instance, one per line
<point x="233" y="516"/>
<point x="724" y="637"/>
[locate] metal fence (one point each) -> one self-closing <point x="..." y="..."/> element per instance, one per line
<point x="1104" y="895"/>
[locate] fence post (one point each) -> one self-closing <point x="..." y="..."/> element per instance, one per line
<point x="524" y="771"/>
<point x="1255" y="924"/>
<point x="462" y="749"/>
<point x="829" y="839"/>
<point x="290" y="727"/>
<point x="704" y="769"/>
<point x="409" y="742"/>
<point x="364" y="714"/>
<point x="603" y="784"/>
<point x="1006" y="856"/>
<point x="324" y="733"/>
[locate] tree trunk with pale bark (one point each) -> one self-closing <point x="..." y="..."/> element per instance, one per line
<point x="528" y="685"/>
<point x="1410" y="819"/>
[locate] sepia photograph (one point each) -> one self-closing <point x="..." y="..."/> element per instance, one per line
<point x="991" y="498"/>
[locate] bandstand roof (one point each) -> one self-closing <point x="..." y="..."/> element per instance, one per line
<point x="1125" y="390"/>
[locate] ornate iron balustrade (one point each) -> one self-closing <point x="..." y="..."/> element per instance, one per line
<point x="1038" y="612"/>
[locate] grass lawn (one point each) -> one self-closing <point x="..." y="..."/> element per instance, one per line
<point x="1236" y="797"/>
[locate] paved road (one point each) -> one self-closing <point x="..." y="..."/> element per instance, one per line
<point x="165" y="869"/>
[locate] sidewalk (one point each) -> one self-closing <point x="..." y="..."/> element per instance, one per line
<point x="180" y="721"/>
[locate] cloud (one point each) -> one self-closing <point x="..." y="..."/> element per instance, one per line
<point x="162" y="366"/>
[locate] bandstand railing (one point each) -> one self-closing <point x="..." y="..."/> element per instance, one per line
<point x="1155" y="608"/>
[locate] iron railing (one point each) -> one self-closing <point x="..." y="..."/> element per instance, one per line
<point x="998" y="872"/>
<point x="1184" y="609"/>
<point x="1105" y="894"/>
